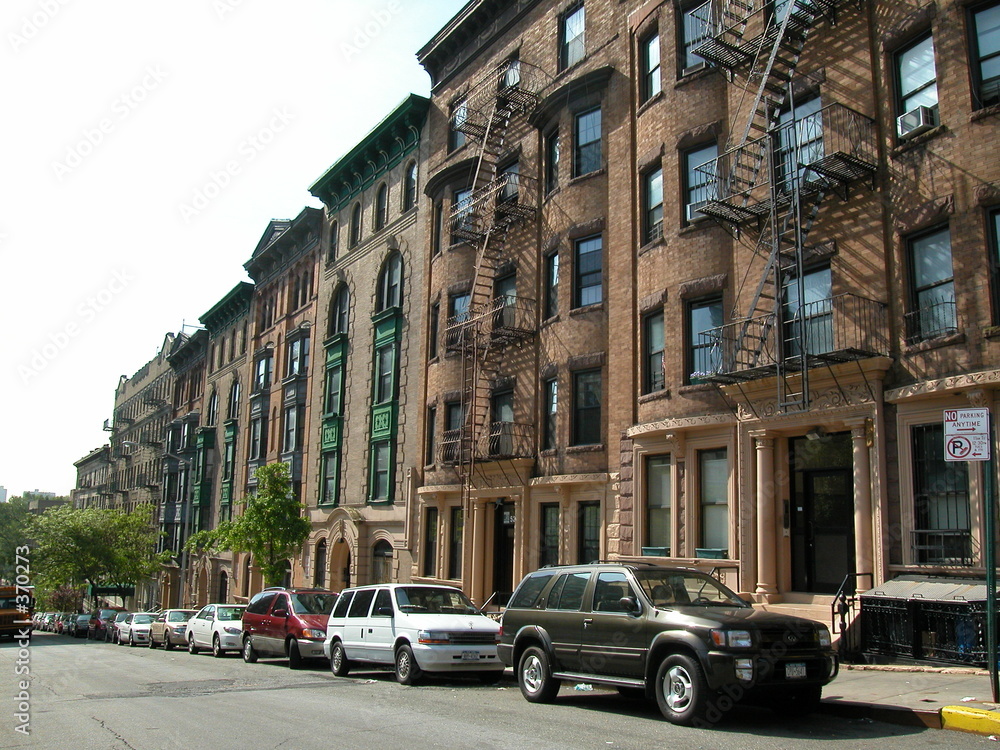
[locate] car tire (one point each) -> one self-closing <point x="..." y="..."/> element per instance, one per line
<point x="217" y="651"/>
<point x="249" y="652"/>
<point x="534" y="676"/>
<point x="152" y="641"/>
<point x="681" y="690"/>
<point x="492" y="677"/>
<point x="192" y="649"/>
<point x="131" y="640"/>
<point x="408" y="672"/>
<point x="168" y="645"/>
<point x="294" y="655"/>
<point x="340" y="665"/>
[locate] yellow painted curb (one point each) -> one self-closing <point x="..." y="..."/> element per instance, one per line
<point x="975" y="720"/>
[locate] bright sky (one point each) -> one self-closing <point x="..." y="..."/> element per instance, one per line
<point x="145" y="147"/>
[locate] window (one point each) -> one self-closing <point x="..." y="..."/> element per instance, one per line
<point x="941" y="501"/>
<point x="380" y="472"/>
<point x="652" y="199"/>
<point x="713" y="486"/>
<point x="458" y="305"/>
<point x="438" y="229"/>
<point x="298" y="356"/>
<point x="213" y="409"/>
<point x="567" y="592"/>
<point x="355" y="229"/>
<point x="994" y="260"/>
<point x="362" y="602"/>
<point x="572" y="43"/>
<point x="589" y="272"/>
<point x="462" y="213"/>
<point x="510" y="180"/>
<point x="552" y="161"/>
<point x="552" y="285"/>
<point x="429" y="435"/>
<point x="799" y="143"/>
<point x="588" y="142"/>
<point x="430" y="541"/>
<point x="658" y="528"/>
<point x="328" y="494"/>
<point x="228" y="461"/>
<point x="650" y="82"/>
<point x="985" y="53"/>
<point x="589" y="534"/>
<point x="410" y="187"/>
<point x="459" y="114"/>
<point x="652" y="346"/>
<point x="294" y="428"/>
<point x="809" y="321"/>
<point x="340" y="311"/>
<point x="695" y="28"/>
<point x="334" y="247"/>
<point x="234" y="400"/>
<point x="705" y="356"/>
<point x="511" y="75"/>
<point x="390" y="287"/>
<point x="916" y="76"/>
<point x="262" y="374"/>
<point x="587" y="407"/>
<point x="381" y="206"/>
<point x="334" y="391"/>
<point x="699" y="179"/>
<point x="609" y="590"/>
<point x="453" y="416"/>
<point x="548" y="552"/>
<point x="384" y="362"/>
<point x="319" y="577"/>
<point x="551" y="391"/>
<point x="258" y="439"/>
<point x="932" y="287"/>
<point x="455" y="545"/>
<point x="433" y="322"/>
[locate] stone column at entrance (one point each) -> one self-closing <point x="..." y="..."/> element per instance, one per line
<point x="767" y="576"/>
<point x="476" y="535"/>
<point x="864" y="549"/>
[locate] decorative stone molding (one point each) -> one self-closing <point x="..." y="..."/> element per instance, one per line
<point x="703" y="286"/>
<point x="651" y="157"/>
<point x="564" y="479"/>
<point x="586" y="228"/>
<point x="671" y="425"/>
<point x="924" y="215"/>
<point x="975" y="380"/>
<point x="586" y="361"/>
<point x="652" y="301"/>
<point x="988" y="194"/>
<point x="548" y="371"/>
<point x="700" y="134"/>
<point x="460" y="287"/>
<point x="912" y="24"/>
<point x="846" y="397"/>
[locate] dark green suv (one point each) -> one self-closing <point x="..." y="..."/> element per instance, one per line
<point x="673" y="634"/>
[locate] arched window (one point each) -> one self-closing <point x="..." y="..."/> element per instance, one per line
<point x="355" y="224"/>
<point x="319" y="579"/>
<point x="286" y="579"/>
<point x="246" y="576"/>
<point x="382" y="562"/>
<point x="390" y="283"/>
<point x="340" y="309"/>
<point x="410" y="186"/>
<point x="213" y="409"/>
<point x="381" y="206"/>
<point x="234" y="400"/>
<point x="223" y="587"/>
<point x="331" y="253"/>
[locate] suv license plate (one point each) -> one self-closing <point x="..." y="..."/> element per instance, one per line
<point x="795" y="670"/>
<point x="474" y="656"/>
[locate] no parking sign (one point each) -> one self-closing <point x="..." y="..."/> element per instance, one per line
<point x="966" y="434"/>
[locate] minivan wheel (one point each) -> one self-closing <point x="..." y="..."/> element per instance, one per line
<point x="249" y="652"/>
<point x="681" y="690"/>
<point x="339" y="663"/>
<point x="408" y="671"/>
<point x="294" y="655"/>
<point x="535" y="677"/>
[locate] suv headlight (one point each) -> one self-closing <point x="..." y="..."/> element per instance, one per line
<point x="823" y="633"/>
<point x="316" y="635"/>
<point x="432" y="636"/>
<point x="732" y="638"/>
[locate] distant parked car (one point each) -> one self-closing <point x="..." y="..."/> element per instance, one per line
<point x="287" y="622"/>
<point x="112" y="632"/>
<point x="170" y="628"/>
<point x="78" y="628"/>
<point x="99" y="620"/>
<point x="218" y="627"/>
<point x="67" y="623"/>
<point x="135" y="628"/>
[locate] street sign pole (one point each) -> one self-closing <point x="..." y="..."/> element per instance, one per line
<point x="991" y="568"/>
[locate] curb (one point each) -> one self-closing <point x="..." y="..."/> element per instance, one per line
<point x="907" y="717"/>
<point x="973" y="720"/>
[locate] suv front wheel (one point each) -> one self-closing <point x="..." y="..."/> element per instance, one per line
<point x="681" y="690"/>
<point x="535" y="677"/>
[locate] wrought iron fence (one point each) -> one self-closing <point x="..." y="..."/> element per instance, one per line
<point x="931" y="321"/>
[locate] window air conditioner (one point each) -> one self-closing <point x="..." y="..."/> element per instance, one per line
<point x="916" y="121"/>
<point x="692" y="212"/>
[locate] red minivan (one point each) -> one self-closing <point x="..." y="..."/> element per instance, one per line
<point x="283" y="622"/>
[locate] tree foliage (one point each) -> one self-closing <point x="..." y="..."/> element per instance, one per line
<point x="14" y="519"/>
<point x="94" y="545"/>
<point x="272" y="527"/>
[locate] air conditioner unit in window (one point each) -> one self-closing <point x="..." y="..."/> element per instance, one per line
<point x="916" y="121"/>
<point x="692" y="212"/>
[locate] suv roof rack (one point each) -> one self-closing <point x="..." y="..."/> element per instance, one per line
<point x="624" y="562"/>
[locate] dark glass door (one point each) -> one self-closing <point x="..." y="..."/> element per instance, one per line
<point x="503" y="552"/>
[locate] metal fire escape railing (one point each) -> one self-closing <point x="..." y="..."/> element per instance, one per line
<point x="770" y="181"/>
<point x="497" y="106"/>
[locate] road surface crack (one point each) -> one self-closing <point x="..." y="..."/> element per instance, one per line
<point x="112" y="731"/>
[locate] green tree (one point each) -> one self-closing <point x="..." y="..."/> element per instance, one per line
<point x="14" y="519"/>
<point x="97" y="546"/>
<point x="271" y="527"/>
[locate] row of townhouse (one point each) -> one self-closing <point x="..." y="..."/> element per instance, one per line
<point x="665" y="280"/>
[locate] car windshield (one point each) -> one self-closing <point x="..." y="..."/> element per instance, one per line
<point x="438" y="601"/>
<point x="230" y="613"/>
<point x="674" y="588"/>
<point x="8" y="602"/>
<point x="179" y="616"/>
<point x="313" y="604"/>
<point x="142" y="619"/>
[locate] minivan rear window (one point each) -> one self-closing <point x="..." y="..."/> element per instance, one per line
<point x="530" y="589"/>
<point x="362" y="600"/>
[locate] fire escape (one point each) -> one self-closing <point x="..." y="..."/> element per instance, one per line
<point x="783" y="159"/>
<point x="497" y="320"/>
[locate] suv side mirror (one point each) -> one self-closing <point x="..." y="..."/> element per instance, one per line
<point x="629" y="604"/>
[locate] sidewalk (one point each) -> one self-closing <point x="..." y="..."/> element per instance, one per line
<point x="948" y="698"/>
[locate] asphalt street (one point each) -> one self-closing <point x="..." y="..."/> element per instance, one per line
<point x="87" y="695"/>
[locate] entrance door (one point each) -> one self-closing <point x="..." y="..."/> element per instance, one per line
<point x="822" y="515"/>
<point x="503" y="552"/>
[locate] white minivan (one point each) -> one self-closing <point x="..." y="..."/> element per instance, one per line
<point x="413" y="628"/>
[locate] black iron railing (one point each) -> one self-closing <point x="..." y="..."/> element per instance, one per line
<point x="931" y="322"/>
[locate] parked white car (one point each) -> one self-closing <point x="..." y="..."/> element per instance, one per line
<point x="412" y="628"/>
<point x="135" y="628"/>
<point x="216" y="627"/>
